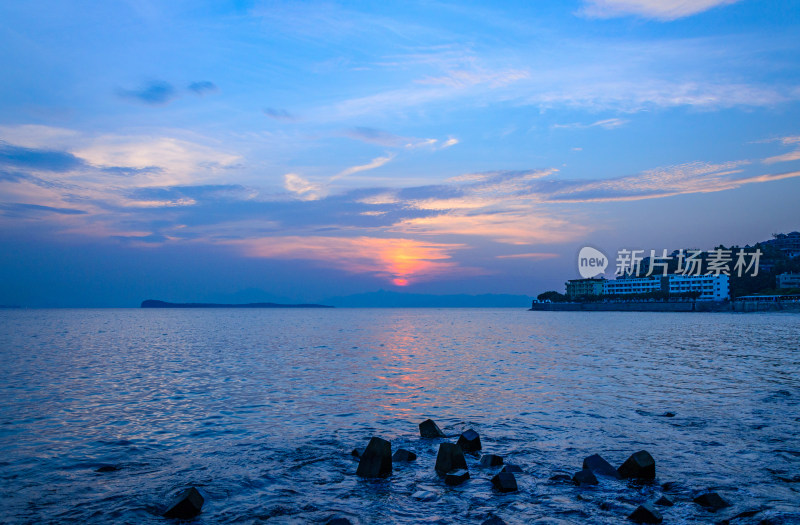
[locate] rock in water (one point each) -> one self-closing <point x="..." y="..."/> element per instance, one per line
<point x="469" y="441"/>
<point x="107" y="468"/>
<point x="646" y="513"/>
<point x="491" y="460"/>
<point x="339" y="521"/>
<point x="584" y="477"/>
<point x="450" y="457"/>
<point x="376" y="462"/>
<point x="404" y="455"/>
<point x="494" y="520"/>
<point x="186" y="505"/>
<point x="665" y="501"/>
<point x="711" y="501"/>
<point x="511" y="468"/>
<point x="600" y="466"/>
<point x="505" y="482"/>
<point x="456" y="477"/>
<point x="640" y="465"/>
<point x="429" y="429"/>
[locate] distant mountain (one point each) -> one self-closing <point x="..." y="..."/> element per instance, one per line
<point x="152" y="303"/>
<point x="387" y="299"/>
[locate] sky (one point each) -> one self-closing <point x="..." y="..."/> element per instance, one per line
<point x="244" y="151"/>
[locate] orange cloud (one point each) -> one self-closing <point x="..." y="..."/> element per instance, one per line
<point x="400" y="261"/>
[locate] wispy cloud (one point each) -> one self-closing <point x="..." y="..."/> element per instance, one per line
<point x="374" y="164"/>
<point x="610" y="123"/>
<point x="153" y="93"/>
<point x="279" y="114"/>
<point x="302" y="188"/>
<point x="37" y="159"/>
<point x="202" y="87"/>
<point x="786" y="157"/>
<point x="656" y="9"/>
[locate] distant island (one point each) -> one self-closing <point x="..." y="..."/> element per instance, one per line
<point x="152" y="303"/>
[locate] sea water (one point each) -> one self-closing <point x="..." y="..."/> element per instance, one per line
<point x="260" y="410"/>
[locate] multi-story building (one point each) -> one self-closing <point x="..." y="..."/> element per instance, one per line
<point x="631" y="285"/>
<point x="788" y="243"/>
<point x="711" y="287"/>
<point x="581" y="287"/>
<point x="788" y="280"/>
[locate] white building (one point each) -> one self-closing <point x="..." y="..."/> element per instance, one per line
<point x="711" y="287"/>
<point x="630" y="285"/>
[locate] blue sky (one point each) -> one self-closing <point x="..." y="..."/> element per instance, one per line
<point x="258" y="150"/>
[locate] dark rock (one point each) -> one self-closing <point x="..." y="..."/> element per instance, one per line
<point x="668" y="414"/>
<point x="107" y="468"/>
<point x="600" y="466"/>
<point x="404" y="455"/>
<point x="711" y="501"/>
<point x="450" y="457"/>
<point x="584" y="477"/>
<point x="339" y="521"/>
<point x="493" y="520"/>
<point x="671" y="486"/>
<point x="429" y="429"/>
<point x="665" y="501"/>
<point x="561" y="477"/>
<point x="456" y="477"/>
<point x="185" y="505"/>
<point x="469" y="441"/>
<point x="376" y="462"/>
<point x="511" y="468"/>
<point x="491" y="460"/>
<point x="646" y="513"/>
<point x="356" y="453"/>
<point x="505" y="482"/>
<point x="640" y="465"/>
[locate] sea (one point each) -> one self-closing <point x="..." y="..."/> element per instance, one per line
<point x="260" y="410"/>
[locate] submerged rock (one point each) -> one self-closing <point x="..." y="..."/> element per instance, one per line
<point x="429" y="429"/>
<point x="511" y="468"/>
<point x="668" y="414"/>
<point x="185" y="505"/>
<point x="711" y="501"/>
<point x="450" y="457"/>
<point x="491" y="460"/>
<point x="600" y="466"/>
<point x="646" y="513"/>
<point x="640" y="465"/>
<point x="424" y="495"/>
<point x="665" y="501"/>
<point x="469" y="441"/>
<point x="560" y="478"/>
<point x="584" y="477"/>
<point x="404" y="455"/>
<point x="376" y="462"/>
<point x="456" y="477"/>
<point x="338" y="521"/>
<point x="505" y="482"/>
<point x="107" y="468"/>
